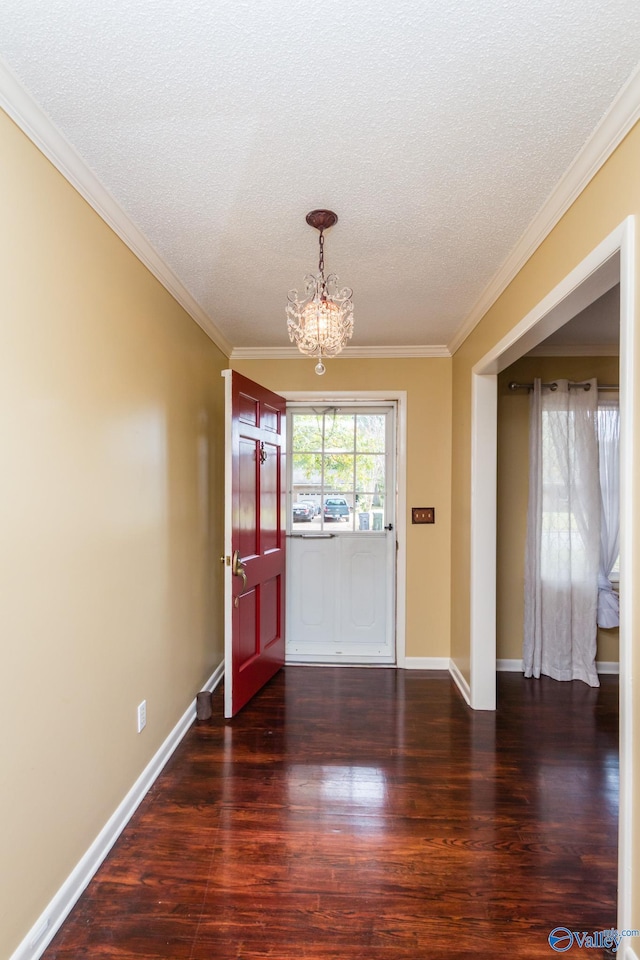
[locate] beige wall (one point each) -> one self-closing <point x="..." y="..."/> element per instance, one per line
<point x="513" y="486"/>
<point x="111" y="525"/>
<point x="428" y="386"/>
<point x="612" y="195"/>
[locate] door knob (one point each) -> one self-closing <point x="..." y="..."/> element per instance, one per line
<point x="238" y="570"/>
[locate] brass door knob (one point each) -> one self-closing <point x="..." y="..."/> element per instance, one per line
<point x="238" y="570"/>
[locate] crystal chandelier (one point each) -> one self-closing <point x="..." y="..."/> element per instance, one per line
<point x="321" y="321"/>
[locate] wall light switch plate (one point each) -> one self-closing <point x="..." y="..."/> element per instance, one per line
<point x="423" y="514"/>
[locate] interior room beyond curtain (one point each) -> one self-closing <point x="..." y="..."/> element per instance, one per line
<point x="609" y="458"/>
<point x="563" y="535"/>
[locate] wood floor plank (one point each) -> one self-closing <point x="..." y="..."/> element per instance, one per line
<point x="347" y="814"/>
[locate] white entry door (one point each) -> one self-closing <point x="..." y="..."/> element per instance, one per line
<point x="341" y="527"/>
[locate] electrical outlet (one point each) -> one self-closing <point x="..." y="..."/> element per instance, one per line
<point x="142" y="716"/>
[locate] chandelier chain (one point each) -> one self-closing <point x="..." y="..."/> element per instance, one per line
<point x="321" y="260"/>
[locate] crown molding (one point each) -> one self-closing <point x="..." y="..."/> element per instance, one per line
<point x="32" y="120"/>
<point x="619" y="119"/>
<point x="349" y="353"/>
<point x="575" y="350"/>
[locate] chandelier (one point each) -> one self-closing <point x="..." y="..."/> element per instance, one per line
<point x="321" y="321"/>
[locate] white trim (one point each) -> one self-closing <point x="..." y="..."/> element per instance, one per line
<point x="621" y="116"/>
<point x="484" y="472"/>
<point x="515" y="666"/>
<point x="628" y="523"/>
<point x="348" y="353"/>
<point x="400" y="397"/>
<point x="608" y="667"/>
<point x="578" y="289"/>
<point x="460" y="682"/>
<point x="427" y="663"/>
<point x="351" y="397"/>
<point x="51" y="919"/>
<point x="509" y="666"/>
<point x="26" y="113"/>
<point x="330" y="660"/>
<point x="629" y="952"/>
<point x="615" y="254"/>
<point x="401" y="527"/>
<point x="228" y="539"/>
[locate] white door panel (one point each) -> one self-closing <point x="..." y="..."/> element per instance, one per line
<point x="341" y="606"/>
<point x="362" y="589"/>
<point x="312" y="602"/>
<point x="340" y="599"/>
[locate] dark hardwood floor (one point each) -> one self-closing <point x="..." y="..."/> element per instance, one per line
<point x="369" y="814"/>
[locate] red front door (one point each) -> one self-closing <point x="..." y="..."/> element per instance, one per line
<point x="255" y="539"/>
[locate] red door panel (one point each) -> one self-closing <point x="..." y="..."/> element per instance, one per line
<point x="245" y="647"/>
<point x="254" y="644"/>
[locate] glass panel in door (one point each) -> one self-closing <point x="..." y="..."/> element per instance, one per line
<point x="339" y="470"/>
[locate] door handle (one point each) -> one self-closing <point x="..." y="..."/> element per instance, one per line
<point x="238" y="570"/>
<point x="389" y="526"/>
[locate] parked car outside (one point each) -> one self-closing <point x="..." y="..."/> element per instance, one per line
<point x="335" y="508"/>
<point x="303" y="511"/>
<point x="315" y="507"/>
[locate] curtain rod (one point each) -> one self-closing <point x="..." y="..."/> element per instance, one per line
<point x="572" y="383"/>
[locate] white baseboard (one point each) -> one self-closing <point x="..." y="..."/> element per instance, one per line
<point x="515" y="666"/>
<point x="52" y="918"/>
<point x="460" y="681"/>
<point x="509" y="666"/>
<point x="425" y="663"/>
<point x="608" y="666"/>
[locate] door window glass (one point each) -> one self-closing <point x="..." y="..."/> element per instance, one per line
<point x="339" y="469"/>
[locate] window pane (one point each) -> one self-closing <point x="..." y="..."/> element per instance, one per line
<point x="333" y="454"/>
<point x="371" y="433"/>
<point x="339" y="432"/>
<point x="337" y="508"/>
<point x="307" y="431"/>
<point x="370" y="512"/>
<point x="338" y="472"/>
<point x="306" y="469"/>
<point x="370" y="473"/>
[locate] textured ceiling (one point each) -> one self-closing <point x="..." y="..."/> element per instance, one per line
<point x="435" y="130"/>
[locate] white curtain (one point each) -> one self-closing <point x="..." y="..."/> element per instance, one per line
<point x="609" y="455"/>
<point x="563" y="535"/>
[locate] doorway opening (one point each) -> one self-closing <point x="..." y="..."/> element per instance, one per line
<point x="346" y="572"/>
<point x="611" y="262"/>
<point x="341" y="527"/>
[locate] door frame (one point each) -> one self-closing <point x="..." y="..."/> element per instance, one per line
<point x="611" y="261"/>
<point x="400" y="399"/>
